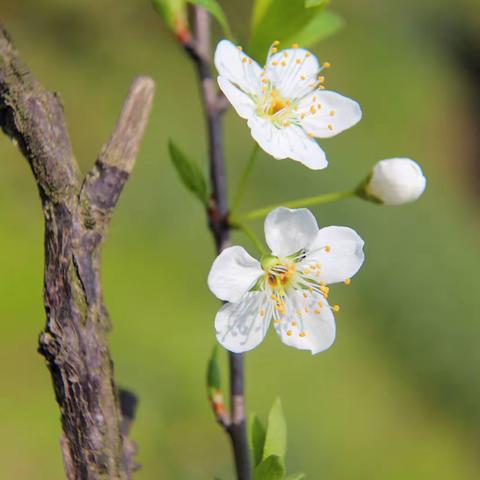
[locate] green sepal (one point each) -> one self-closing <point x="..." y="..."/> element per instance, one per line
<point x="270" y="469"/>
<point x="189" y="173"/>
<point x="256" y="437"/>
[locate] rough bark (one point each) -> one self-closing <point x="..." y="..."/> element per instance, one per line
<point x="77" y="212"/>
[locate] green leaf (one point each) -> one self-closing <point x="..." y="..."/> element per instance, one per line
<point x="324" y="24"/>
<point x="213" y="370"/>
<point x="189" y="173"/>
<point x="256" y="434"/>
<point x="174" y="12"/>
<point x="270" y="469"/>
<point x="276" y="438"/>
<point x="214" y="8"/>
<point x="296" y="476"/>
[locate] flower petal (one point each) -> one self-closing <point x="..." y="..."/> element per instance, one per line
<point x="242" y="103"/>
<point x="288" y="231"/>
<point x="339" y="251"/>
<point x="308" y="324"/>
<point x="287" y="142"/>
<point x="233" y="273"/>
<point x="243" y="325"/>
<point x="293" y="72"/>
<point x="237" y="67"/>
<point x="328" y="113"/>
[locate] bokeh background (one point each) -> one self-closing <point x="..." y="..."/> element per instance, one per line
<point x="398" y="396"/>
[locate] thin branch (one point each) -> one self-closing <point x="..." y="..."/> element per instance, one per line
<point x="215" y="105"/>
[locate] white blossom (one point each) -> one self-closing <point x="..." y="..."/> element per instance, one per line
<point x="288" y="287"/>
<point x="395" y="181"/>
<point x="284" y="103"/>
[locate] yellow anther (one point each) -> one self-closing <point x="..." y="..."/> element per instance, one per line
<point x="321" y="87"/>
<point x="320" y="304"/>
<point x="264" y="80"/>
<point x="318" y="265"/>
<point x="244" y="60"/>
<point x="303" y="77"/>
<point x="328" y="248"/>
<point x="307" y="271"/>
<point x="276" y="322"/>
<point x="298" y="61"/>
<point x="274" y="64"/>
<point x="286" y="124"/>
<point x="301" y="334"/>
<point x="326" y="65"/>
<point x="302" y="116"/>
<point x="239" y="48"/>
<point x="305" y="295"/>
<point x="318" y="274"/>
<point x="330" y="127"/>
<point x="250" y="61"/>
<point x="317" y="311"/>
<point x="321" y="78"/>
<point x="347" y="281"/>
<point x="283" y="63"/>
<point x="319" y="106"/>
<point x="306" y="309"/>
<point x="332" y="113"/>
<point x="310" y="134"/>
<point x="312" y="109"/>
<point x="294" y="45"/>
<point x="276" y="43"/>
<point x="336" y="308"/>
<point x="274" y="50"/>
<point x="308" y="54"/>
<point x="298" y="312"/>
<point x="294" y="324"/>
<point x="289" y="333"/>
<point x="285" y="54"/>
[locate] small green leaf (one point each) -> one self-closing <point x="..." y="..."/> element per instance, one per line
<point x="256" y="434"/>
<point x="316" y="3"/>
<point x="276" y="438"/>
<point x="270" y="469"/>
<point x="189" y="173"/>
<point x="324" y="24"/>
<point x="214" y="8"/>
<point x="296" y="476"/>
<point x="213" y="370"/>
<point x="174" y="12"/>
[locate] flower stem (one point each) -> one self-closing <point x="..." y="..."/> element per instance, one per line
<point x="253" y="238"/>
<point x="301" y="202"/>
<point x="244" y="179"/>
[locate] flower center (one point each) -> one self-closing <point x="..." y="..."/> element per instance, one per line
<point x="279" y="276"/>
<point x="273" y="106"/>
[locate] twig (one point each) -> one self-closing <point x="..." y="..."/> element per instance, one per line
<point x="74" y="342"/>
<point x="215" y="105"/>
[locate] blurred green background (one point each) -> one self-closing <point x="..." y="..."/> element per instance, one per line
<point x="398" y="396"/>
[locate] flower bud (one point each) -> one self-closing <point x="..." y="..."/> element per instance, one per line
<point x="394" y="181"/>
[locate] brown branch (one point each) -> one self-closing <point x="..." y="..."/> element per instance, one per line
<point x="214" y="105"/>
<point x="74" y="342"/>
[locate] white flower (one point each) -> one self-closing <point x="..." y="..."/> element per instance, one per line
<point x="284" y="103"/>
<point x="395" y="181"/>
<point x="289" y="286"/>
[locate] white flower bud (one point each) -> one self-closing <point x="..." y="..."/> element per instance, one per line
<point x="395" y="181"/>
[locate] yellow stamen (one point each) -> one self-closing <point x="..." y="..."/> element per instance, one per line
<point x="301" y="334"/>
<point x="326" y="65"/>
<point x="347" y="281"/>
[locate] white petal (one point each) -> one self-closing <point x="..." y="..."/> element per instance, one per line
<point x="332" y="113"/>
<point x="287" y="142"/>
<point x="288" y="231"/>
<point x="233" y="273"/>
<point x="293" y="72"/>
<point x="339" y="251"/>
<point x="242" y="103"/>
<point x="237" y="67"/>
<point x="243" y="325"/>
<point x="314" y="324"/>
<point x="304" y="149"/>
